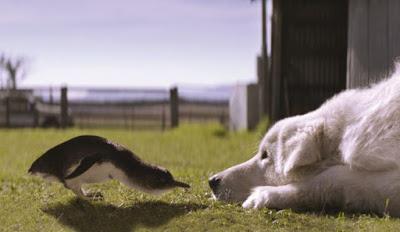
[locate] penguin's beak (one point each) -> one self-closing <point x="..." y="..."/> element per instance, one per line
<point x="181" y="184"/>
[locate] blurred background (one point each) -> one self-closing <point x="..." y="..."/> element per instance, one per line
<point x="153" y="64"/>
<point x="118" y="60"/>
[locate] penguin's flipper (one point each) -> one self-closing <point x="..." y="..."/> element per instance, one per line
<point x="84" y="165"/>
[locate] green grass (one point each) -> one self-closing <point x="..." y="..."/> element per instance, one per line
<point x="192" y="153"/>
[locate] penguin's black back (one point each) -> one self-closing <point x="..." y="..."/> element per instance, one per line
<point x="86" y="150"/>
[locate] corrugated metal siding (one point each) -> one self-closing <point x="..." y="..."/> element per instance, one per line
<point x="314" y="50"/>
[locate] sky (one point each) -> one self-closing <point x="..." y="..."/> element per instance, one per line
<point x="132" y="43"/>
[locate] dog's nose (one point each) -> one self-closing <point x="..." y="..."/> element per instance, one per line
<point x="214" y="182"/>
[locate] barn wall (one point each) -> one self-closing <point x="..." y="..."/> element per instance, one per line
<point x="373" y="40"/>
<point x="309" y="50"/>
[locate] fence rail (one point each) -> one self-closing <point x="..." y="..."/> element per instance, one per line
<point x="137" y="114"/>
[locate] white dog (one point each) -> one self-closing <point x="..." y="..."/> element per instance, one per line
<point x="344" y="155"/>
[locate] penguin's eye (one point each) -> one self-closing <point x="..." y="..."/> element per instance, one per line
<point x="264" y="154"/>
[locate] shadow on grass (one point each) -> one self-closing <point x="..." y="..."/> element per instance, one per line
<point x="338" y="213"/>
<point x="83" y="216"/>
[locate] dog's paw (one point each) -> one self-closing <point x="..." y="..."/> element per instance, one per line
<point x="260" y="197"/>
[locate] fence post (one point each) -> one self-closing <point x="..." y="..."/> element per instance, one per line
<point x="174" y="104"/>
<point x="35" y="114"/>
<point x="163" y="117"/>
<point x="133" y="118"/>
<point x="64" y="107"/>
<point x="222" y="119"/>
<point x="51" y="100"/>
<point x="7" y="103"/>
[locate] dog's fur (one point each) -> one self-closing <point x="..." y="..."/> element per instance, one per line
<point x="344" y="155"/>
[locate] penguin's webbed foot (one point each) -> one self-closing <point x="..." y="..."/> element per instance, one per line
<point x="94" y="196"/>
<point x="76" y="187"/>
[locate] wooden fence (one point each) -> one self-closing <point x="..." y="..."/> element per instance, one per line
<point x="374" y="40"/>
<point x="309" y="47"/>
<point x="145" y="114"/>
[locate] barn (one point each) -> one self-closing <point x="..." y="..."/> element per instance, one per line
<point x="320" y="47"/>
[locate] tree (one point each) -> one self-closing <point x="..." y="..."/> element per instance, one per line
<point x="13" y="68"/>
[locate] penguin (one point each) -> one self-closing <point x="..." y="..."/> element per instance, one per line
<point x="90" y="159"/>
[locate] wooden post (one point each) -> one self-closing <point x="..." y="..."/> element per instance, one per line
<point x="264" y="45"/>
<point x="131" y="117"/>
<point x="275" y="113"/>
<point x="35" y="115"/>
<point x="51" y="100"/>
<point x="264" y="85"/>
<point x="222" y="119"/>
<point x="64" y="107"/>
<point x="263" y="67"/>
<point x="7" y="103"/>
<point x="174" y="104"/>
<point x="163" y="117"/>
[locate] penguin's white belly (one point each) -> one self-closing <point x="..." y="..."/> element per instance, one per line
<point x="103" y="172"/>
<point x="100" y="173"/>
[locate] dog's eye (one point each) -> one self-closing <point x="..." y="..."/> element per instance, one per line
<point x="264" y="154"/>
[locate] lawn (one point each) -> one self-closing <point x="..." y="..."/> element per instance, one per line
<point x="192" y="153"/>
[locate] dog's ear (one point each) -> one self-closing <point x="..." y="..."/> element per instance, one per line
<point x="304" y="148"/>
